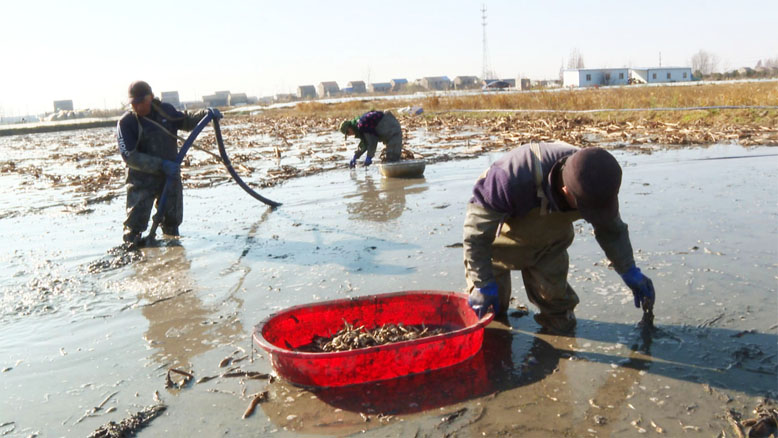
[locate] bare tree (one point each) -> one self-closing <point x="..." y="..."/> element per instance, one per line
<point x="704" y="63"/>
<point x="576" y="60"/>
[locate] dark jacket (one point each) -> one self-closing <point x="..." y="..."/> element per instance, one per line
<point x="508" y="190"/>
<point x="145" y="141"/>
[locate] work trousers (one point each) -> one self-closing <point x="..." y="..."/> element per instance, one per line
<point x="141" y="199"/>
<point x="391" y="134"/>
<point x="537" y="246"/>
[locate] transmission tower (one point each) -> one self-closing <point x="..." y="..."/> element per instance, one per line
<point x="486" y="71"/>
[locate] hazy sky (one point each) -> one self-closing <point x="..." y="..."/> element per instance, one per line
<point x="89" y="51"/>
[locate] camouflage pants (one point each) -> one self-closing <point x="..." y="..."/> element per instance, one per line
<point x="537" y="246"/>
<point x="141" y="198"/>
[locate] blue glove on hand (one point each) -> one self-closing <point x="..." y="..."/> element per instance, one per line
<point x="170" y="168"/>
<point x="482" y="298"/>
<point x="216" y="113"/>
<point x="642" y="287"/>
<point x="368" y="161"/>
<point x="353" y="162"/>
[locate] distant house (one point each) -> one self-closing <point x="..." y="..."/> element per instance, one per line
<point x="549" y="83"/>
<point x="589" y="77"/>
<point x="284" y="97"/>
<point x="660" y="74"/>
<point x="380" y="87"/>
<point x="357" y="87"/>
<point x="327" y="89"/>
<point x="193" y="104"/>
<point x="172" y="98"/>
<point x="524" y="83"/>
<point x="306" y="92"/>
<point x="436" y="82"/>
<point x="63" y="105"/>
<point x="398" y="84"/>
<point x="237" y="99"/>
<point x="213" y="100"/>
<point x="465" y="82"/>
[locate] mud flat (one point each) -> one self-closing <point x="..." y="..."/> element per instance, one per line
<point x="87" y="339"/>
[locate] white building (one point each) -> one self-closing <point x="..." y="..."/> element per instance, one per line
<point x="327" y="89"/>
<point x="660" y="74"/>
<point x="172" y="98"/>
<point x="589" y="77"/>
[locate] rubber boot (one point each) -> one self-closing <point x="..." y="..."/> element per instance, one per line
<point x="132" y="238"/>
<point x="557" y="323"/>
<point x="170" y="231"/>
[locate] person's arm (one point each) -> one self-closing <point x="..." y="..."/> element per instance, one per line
<point x="480" y="230"/>
<point x="128" y="137"/>
<point x="191" y="119"/>
<point x="613" y="238"/>
<point x="361" y="148"/>
<point x="370" y="144"/>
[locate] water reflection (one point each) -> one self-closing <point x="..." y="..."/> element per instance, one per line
<point x="506" y="360"/>
<point x="535" y="374"/>
<point x="181" y="325"/>
<point x="383" y="203"/>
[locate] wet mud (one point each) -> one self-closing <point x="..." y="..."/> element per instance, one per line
<point x="88" y="324"/>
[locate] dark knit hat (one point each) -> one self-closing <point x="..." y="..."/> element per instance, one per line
<point x="346" y="125"/>
<point x="593" y="177"/>
<point x="138" y="91"/>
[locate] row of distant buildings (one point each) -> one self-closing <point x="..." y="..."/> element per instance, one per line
<point x="585" y="77"/>
<point x="329" y="89"/>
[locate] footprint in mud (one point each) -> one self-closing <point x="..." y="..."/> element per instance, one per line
<point x="117" y="257"/>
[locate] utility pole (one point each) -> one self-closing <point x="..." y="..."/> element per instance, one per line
<point x="486" y="69"/>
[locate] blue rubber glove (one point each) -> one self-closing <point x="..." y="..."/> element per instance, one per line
<point x="353" y="162"/>
<point x="642" y="287"/>
<point x="216" y="113"/>
<point x="170" y="168"/>
<point x="368" y="161"/>
<point x="482" y="298"/>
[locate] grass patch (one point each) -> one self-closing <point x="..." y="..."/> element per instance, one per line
<point x="636" y="97"/>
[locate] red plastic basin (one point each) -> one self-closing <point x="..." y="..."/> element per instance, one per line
<point x="281" y="333"/>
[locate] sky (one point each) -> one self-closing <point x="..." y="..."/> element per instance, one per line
<point x="90" y="51"/>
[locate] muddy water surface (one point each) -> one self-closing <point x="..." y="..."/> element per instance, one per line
<point x="82" y="330"/>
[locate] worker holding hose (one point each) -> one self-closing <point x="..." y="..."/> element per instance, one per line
<point x="148" y="144"/>
<point x="521" y="218"/>
<point x="370" y="128"/>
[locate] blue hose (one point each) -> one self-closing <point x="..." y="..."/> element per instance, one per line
<point x="210" y="116"/>
<point x="226" y="161"/>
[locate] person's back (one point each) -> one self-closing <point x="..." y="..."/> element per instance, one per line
<point x="372" y="127"/>
<point x="520" y="218"/>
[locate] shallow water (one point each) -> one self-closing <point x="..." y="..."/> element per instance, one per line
<point x="703" y="223"/>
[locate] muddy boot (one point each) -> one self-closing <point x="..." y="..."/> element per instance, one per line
<point x="132" y="239"/>
<point x="170" y="231"/>
<point x="557" y="323"/>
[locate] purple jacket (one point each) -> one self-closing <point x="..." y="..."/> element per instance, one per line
<point x="508" y="190"/>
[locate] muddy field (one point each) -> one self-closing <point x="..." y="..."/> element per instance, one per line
<point x="91" y="334"/>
